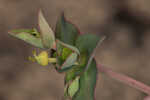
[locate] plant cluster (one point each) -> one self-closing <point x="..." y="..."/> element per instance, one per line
<point x="71" y="53"/>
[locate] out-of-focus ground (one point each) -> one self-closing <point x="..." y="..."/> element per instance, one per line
<point x="126" y="23"/>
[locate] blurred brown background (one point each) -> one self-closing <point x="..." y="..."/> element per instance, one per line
<point x="126" y="23"/>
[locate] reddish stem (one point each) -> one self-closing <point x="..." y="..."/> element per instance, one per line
<point x="125" y="79"/>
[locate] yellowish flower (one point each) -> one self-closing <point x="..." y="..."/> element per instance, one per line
<point x="42" y="58"/>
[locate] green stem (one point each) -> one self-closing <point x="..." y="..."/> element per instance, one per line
<point x="52" y="60"/>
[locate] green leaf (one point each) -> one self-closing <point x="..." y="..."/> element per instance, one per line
<point x="65" y="53"/>
<point x="87" y="80"/>
<point x="65" y="31"/>
<point x="87" y="84"/>
<point x="87" y="43"/>
<point x="73" y="87"/>
<point x="69" y="61"/>
<point x="28" y="38"/>
<point x="94" y="52"/>
<point x="47" y="34"/>
<point x="73" y="48"/>
<point x="33" y="32"/>
<point x="70" y="75"/>
<point x="73" y="73"/>
<point x="77" y="69"/>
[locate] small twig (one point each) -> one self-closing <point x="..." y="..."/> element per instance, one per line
<point x="125" y="79"/>
<point x="147" y="98"/>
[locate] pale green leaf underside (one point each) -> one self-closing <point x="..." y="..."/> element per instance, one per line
<point x="70" y="61"/>
<point x="28" y="38"/>
<point x="47" y="34"/>
<point x="32" y="32"/>
<point x="73" y="87"/>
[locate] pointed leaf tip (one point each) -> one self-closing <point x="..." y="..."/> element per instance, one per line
<point x="66" y="31"/>
<point x="47" y="34"/>
<point x="27" y="37"/>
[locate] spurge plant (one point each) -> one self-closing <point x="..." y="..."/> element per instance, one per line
<point x="71" y="53"/>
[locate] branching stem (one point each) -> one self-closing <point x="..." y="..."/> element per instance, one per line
<point x="124" y="79"/>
